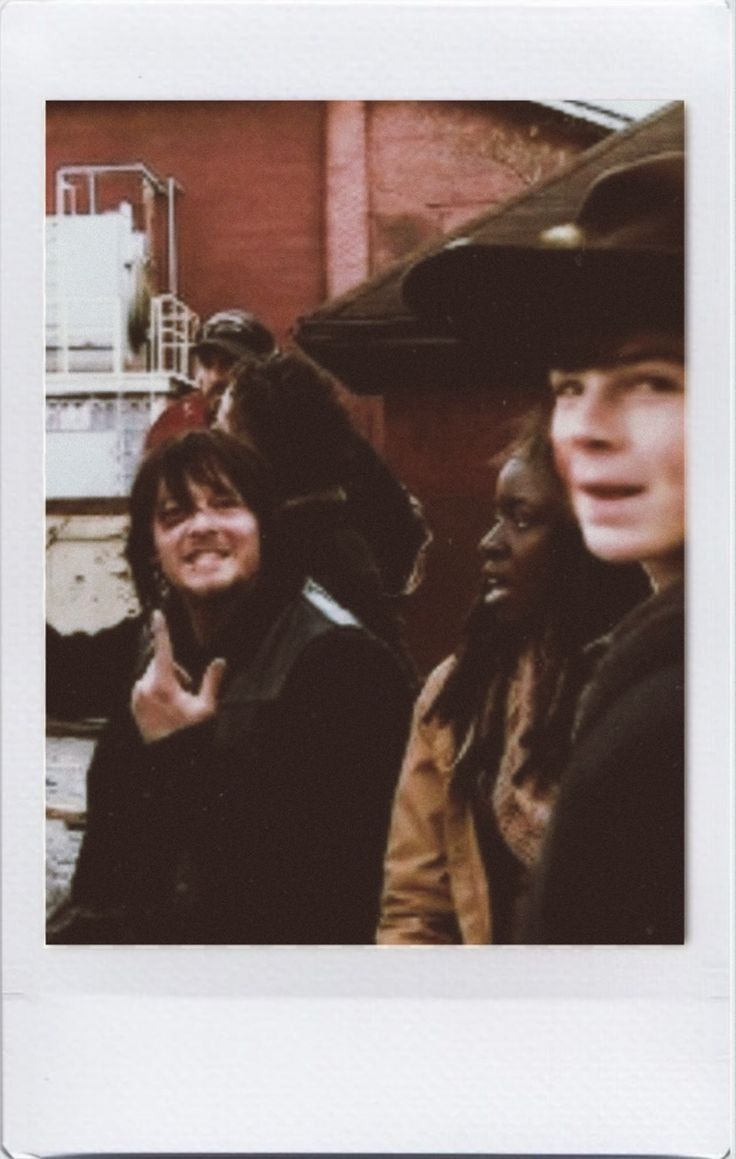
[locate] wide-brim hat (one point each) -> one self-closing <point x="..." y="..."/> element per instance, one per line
<point x="619" y="263"/>
<point x="234" y="333"/>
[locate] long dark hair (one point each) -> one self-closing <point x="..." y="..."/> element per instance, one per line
<point x="203" y="457"/>
<point x="584" y="598"/>
<point x="289" y="409"/>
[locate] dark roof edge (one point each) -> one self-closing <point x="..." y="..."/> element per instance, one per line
<point x="613" y="140"/>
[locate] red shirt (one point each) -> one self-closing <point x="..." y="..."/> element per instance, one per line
<point x="184" y="414"/>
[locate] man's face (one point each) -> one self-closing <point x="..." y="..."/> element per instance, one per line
<point x="208" y="547"/>
<point x="618" y="429"/>
<point x="212" y="376"/>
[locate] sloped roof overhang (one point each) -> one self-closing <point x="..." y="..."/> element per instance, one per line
<point x="370" y="340"/>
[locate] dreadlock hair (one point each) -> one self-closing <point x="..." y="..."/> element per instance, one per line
<point x="583" y="598"/>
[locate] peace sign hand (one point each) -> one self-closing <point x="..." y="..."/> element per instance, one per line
<point x="159" y="702"/>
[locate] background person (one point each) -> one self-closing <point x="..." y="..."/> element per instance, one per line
<point x="246" y="802"/>
<point x="491" y="727"/>
<point x="222" y="341"/>
<point x="362" y="536"/>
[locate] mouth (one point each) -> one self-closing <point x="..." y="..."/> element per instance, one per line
<point x="205" y="555"/>
<point x="494" y="588"/>
<point x="609" y="491"/>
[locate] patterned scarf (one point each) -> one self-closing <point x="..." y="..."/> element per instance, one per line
<point x="509" y="784"/>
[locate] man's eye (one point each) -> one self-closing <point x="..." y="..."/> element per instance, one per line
<point x="657" y="384"/>
<point x="224" y="502"/>
<point x="566" y="388"/>
<point x="170" y="515"/>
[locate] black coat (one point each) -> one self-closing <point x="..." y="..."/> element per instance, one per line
<point x="264" y="825"/>
<point x="612" y="870"/>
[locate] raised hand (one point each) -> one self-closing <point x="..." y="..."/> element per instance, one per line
<point x="159" y="702"/>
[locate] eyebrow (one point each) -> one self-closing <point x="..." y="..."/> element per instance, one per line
<point x="649" y="348"/>
<point x="620" y="362"/>
<point x="512" y="503"/>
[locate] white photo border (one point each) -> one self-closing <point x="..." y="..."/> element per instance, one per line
<point x="514" y="1049"/>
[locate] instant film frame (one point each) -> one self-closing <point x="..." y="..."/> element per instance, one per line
<point x="516" y="1049"/>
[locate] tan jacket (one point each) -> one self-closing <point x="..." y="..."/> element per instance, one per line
<point x="435" y="886"/>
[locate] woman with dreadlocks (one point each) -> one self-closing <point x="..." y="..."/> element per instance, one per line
<point x="490" y="730"/>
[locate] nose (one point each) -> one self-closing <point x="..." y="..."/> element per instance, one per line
<point x="590" y="420"/>
<point x="494" y="544"/>
<point x="201" y="519"/>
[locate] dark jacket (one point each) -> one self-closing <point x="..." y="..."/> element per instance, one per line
<point x="266" y="824"/>
<point x="612" y="871"/>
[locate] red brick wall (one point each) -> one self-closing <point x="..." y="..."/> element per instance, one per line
<point x="250" y="218"/>
<point x="434" y="164"/>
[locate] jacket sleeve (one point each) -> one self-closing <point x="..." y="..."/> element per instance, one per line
<point x="87" y="674"/>
<point x="417" y="906"/>
<point x="131" y="839"/>
<point x="612" y="868"/>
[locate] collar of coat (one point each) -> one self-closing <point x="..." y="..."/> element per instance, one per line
<point x="650" y="638"/>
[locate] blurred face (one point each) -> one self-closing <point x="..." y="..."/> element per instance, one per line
<point x="517" y="551"/>
<point x="618" y="429"/>
<point x="212" y="376"/>
<point x="208" y="547"/>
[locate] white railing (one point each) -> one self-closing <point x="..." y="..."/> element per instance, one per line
<point x="172" y="334"/>
<point x="88" y="335"/>
<point x="100" y="398"/>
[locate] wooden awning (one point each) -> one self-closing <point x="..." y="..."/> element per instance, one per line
<point x="371" y="341"/>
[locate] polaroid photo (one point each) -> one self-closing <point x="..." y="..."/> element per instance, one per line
<point x="380" y="800"/>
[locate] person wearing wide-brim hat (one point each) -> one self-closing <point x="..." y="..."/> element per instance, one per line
<point x="618" y="264"/>
<point x="600" y="302"/>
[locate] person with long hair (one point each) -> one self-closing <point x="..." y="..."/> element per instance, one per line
<point x="358" y="532"/>
<point x="240" y="792"/>
<point x="361" y="534"/>
<point x="490" y="731"/>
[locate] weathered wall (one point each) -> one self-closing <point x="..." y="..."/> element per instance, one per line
<point x="434" y="164"/>
<point x="87" y="577"/>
